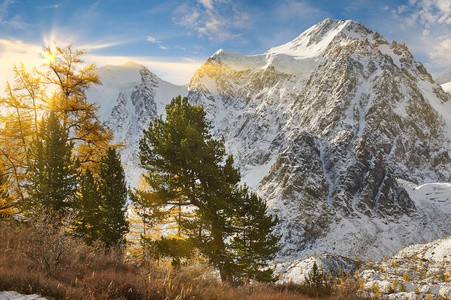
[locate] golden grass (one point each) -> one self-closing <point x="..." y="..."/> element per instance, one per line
<point x="44" y="259"/>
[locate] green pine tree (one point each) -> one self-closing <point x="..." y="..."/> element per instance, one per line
<point x="89" y="215"/>
<point x="315" y="277"/>
<point x="113" y="193"/>
<point x="255" y="243"/>
<point x="52" y="171"/>
<point x="186" y="168"/>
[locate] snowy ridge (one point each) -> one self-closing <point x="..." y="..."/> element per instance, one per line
<point x="305" y="52"/>
<point x="315" y="40"/>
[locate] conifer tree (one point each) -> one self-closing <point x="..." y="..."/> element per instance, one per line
<point x="186" y="167"/>
<point x="66" y="73"/>
<point x="52" y="171"/>
<point x="89" y="214"/>
<point x="315" y="277"/>
<point x="113" y="193"/>
<point x="254" y="242"/>
<point x="19" y="119"/>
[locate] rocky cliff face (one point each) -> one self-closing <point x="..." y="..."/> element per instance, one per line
<point x="328" y="128"/>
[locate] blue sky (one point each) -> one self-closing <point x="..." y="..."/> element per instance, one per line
<point x="175" y="37"/>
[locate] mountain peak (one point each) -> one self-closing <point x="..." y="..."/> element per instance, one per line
<point x="132" y="65"/>
<point x="301" y="55"/>
<point x="313" y="41"/>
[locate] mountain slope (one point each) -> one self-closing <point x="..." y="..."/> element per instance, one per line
<point x="130" y="97"/>
<point x="328" y="128"/>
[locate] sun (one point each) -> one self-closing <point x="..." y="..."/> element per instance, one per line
<point x="49" y="56"/>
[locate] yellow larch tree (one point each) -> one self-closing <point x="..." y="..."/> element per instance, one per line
<point x="69" y="79"/>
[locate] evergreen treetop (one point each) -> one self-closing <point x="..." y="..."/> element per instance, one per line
<point x="52" y="171"/>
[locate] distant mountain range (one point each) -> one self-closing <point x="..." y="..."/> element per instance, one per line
<point x="338" y="130"/>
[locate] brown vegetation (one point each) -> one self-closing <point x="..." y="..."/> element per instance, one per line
<point x="43" y="258"/>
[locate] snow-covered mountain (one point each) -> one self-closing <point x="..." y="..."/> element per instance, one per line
<point x="129" y="98"/>
<point x="333" y="129"/>
<point x="344" y="134"/>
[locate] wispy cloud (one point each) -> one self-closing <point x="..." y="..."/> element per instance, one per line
<point x="87" y="15"/>
<point x="54" y="6"/>
<point x="4" y="8"/>
<point x="426" y="23"/>
<point x="98" y="46"/>
<point x="14" y="22"/>
<point x="218" y="20"/>
<point x="441" y="53"/>
<point x="16" y="46"/>
<point x="155" y="41"/>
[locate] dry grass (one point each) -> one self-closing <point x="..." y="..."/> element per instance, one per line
<point x="44" y="259"/>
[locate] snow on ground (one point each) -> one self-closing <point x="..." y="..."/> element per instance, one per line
<point x="17" y="296"/>
<point x="447" y="87"/>
<point x="296" y="271"/>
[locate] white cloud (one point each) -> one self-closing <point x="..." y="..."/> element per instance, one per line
<point x="208" y="4"/>
<point x="95" y="46"/>
<point x="441" y="53"/>
<point x="151" y="39"/>
<point x="423" y="25"/>
<point x="155" y="41"/>
<point x="428" y="12"/>
<point x="218" y="20"/>
<point x="402" y="8"/>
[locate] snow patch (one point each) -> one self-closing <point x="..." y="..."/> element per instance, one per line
<point x="447" y="87"/>
<point x="16" y="296"/>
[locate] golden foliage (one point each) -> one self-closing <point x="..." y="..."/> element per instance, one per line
<point x="59" y="86"/>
